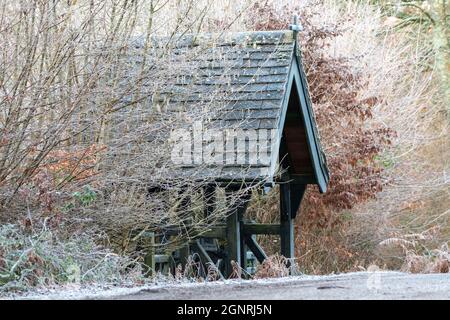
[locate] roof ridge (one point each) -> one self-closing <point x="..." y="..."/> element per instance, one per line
<point x="208" y="39"/>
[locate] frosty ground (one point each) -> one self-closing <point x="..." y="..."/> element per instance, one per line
<point x="359" y="285"/>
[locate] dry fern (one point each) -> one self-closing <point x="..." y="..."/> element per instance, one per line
<point x="274" y="266"/>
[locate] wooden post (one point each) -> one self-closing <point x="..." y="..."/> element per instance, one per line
<point x="242" y="207"/>
<point x="148" y="241"/>
<point x="244" y="247"/>
<point x="233" y="241"/>
<point x="261" y="228"/>
<point x="286" y="221"/>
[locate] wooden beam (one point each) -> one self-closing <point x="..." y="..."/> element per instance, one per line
<point x="256" y="249"/>
<point x="261" y="228"/>
<point x="286" y="222"/>
<point x="205" y="257"/>
<point x="303" y="179"/>
<point x="217" y="232"/>
<point x="297" y="178"/>
<point x="162" y="258"/>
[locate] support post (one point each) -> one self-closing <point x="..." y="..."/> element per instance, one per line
<point x="242" y="207"/>
<point x="235" y="242"/>
<point x="244" y="247"/>
<point x="286" y="221"/>
<point x="148" y="242"/>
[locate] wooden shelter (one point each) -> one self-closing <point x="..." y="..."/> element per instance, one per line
<point x="266" y="89"/>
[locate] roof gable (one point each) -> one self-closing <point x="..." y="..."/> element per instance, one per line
<point x="316" y="151"/>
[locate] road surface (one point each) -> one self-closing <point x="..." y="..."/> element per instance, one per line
<point x="360" y="285"/>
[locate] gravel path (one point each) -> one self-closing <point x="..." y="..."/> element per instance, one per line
<point x="360" y="285"/>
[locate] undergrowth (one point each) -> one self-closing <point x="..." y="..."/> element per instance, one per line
<point x="40" y="257"/>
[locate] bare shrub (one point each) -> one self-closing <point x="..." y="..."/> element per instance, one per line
<point x="414" y="253"/>
<point x="79" y="145"/>
<point x="79" y="140"/>
<point x="417" y="199"/>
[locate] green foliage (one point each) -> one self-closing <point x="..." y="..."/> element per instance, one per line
<point x="386" y="160"/>
<point x="82" y="198"/>
<point x="85" y="197"/>
<point x="346" y="216"/>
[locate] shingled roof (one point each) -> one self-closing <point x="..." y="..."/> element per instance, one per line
<point x="251" y="81"/>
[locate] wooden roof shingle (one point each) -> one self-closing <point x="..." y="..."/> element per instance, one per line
<point x="247" y="78"/>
